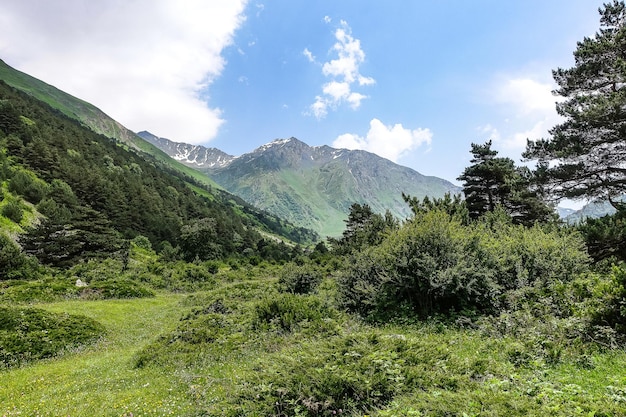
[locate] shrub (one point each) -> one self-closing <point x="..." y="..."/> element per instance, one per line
<point x="344" y="375"/>
<point x="28" y="186"/>
<point x="28" y="334"/>
<point x="116" y="288"/>
<point x="46" y="290"/>
<point x="13" y="210"/>
<point x="287" y="312"/>
<point x="142" y="242"/>
<point x="611" y="296"/>
<point x="299" y="279"/>
<point x="13" y="263"/>
<point x="435" y="264"/>
<point x="432" y="264"/>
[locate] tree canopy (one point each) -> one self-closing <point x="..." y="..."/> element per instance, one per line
<point x="493" y="181"/>
<point x="584" y="157"/>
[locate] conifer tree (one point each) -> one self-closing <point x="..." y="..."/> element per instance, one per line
<point x="493" y="181"/>
<point x="589" y="147"/>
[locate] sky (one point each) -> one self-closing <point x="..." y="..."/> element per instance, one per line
<point x="414" y="81"/>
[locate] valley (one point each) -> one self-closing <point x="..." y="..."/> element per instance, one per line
<point x="145" y="277"/>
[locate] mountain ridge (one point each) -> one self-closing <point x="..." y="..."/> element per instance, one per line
<point x="313" y="186"/>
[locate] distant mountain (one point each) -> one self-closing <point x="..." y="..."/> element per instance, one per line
<point x="95" y="120"/>
<point x="564" y="212"/>
<point x="313" y="187"/>
<point x="593" y="210"/>
<point x="195" y="156"/>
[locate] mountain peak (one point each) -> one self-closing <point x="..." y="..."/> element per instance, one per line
<point x="196" y="156"/>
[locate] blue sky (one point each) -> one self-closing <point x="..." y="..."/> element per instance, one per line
<point x="414" y="81"/>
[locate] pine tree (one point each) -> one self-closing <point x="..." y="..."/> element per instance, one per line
<point x="590" y="145"/>
<point x="493" y="181"/>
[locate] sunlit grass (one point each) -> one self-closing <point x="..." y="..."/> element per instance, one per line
<point x="100" y="380"/>
<point x="440" y="370"/>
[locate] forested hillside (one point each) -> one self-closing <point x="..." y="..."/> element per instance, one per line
<point x="95" y="194"/>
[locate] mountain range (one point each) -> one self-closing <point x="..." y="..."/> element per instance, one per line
<point x="312" y="187"/>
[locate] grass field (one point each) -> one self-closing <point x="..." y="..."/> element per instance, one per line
<point x="101" y="381"/>
<point x="243" y="349"/>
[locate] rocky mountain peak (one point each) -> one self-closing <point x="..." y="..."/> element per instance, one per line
<point x="196" y="156"/>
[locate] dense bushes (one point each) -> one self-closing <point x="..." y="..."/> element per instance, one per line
<point x="286" y="312"/>
<point x="13" y="263"/>
<point x="27" y="334"/>
<point x="435" y="264"/>
<point x="299" y="279"/>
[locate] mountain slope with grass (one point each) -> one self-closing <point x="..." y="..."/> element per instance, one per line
<point x="92" y="195"/>
<point x="91" y="117"/>
<point x="313" y="187"/>
<point x="94" y="119"/>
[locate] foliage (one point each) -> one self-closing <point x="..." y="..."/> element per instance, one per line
<point x="87" y="235"/>
<point x="435" y="264"/>
<point x="495" y="181"/>
<point x="13" y="209"/>
<point x="28" y="334"/>
<point x="432" y="264"/>
<point x="13" y="263"/>
<point x="455" y="206"/>
<point x="96" y="193"/>
<point x="342" y="375"/>
<point x="611" y="302"/>
<point x="116" y="288"/>
<point x="299" y="279"/>
<point x="606" y="236"/>
<point x="363" y="228"/>
<point x="589" y="144"/>
<point x="198" y="240"/>
<point x="27" y="185"/>
<point x="286" y="312"/>
<point x="43" y="290"/>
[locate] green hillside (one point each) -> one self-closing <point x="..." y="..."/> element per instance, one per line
<point x="314" y="187"/>
<point x="92" y="117"/>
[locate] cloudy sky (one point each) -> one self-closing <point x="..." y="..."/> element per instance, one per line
<point x="413" y="81"/>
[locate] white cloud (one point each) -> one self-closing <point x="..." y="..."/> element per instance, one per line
<point x="327" y="19"/>
<point x="529" y="112"/>
<point x="526" y="95"/>
<point x="344" y="73"/>
<point x="309" y="55"/>
<point x="390" y="142"/>
<point x="143" y="62"/>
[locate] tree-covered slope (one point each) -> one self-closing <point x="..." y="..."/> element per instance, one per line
<point x="91" y="116"/>
<point x="95" y="193"/>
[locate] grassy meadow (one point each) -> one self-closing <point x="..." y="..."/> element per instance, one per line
<point x="241" y="347"/>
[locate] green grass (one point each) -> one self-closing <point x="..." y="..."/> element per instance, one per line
<point x="100" y="380"/>
<point x="228" y="352"/>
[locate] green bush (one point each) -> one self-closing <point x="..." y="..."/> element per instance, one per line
<point x="28" y="186"/>
<point x="13" y="210"/>
<point x="610" y="310"/>
<point x="434" y="264"/>
<point x="142" y="242"/>
<point x="41" y="291"/>
<point x="28" y="334"/>
<point x="299" y="279"/>
<point x="116" y="288"/>
<point x="346" y="375"/>
<point x="287" y="312"/>
<point x="13" y="263"/>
